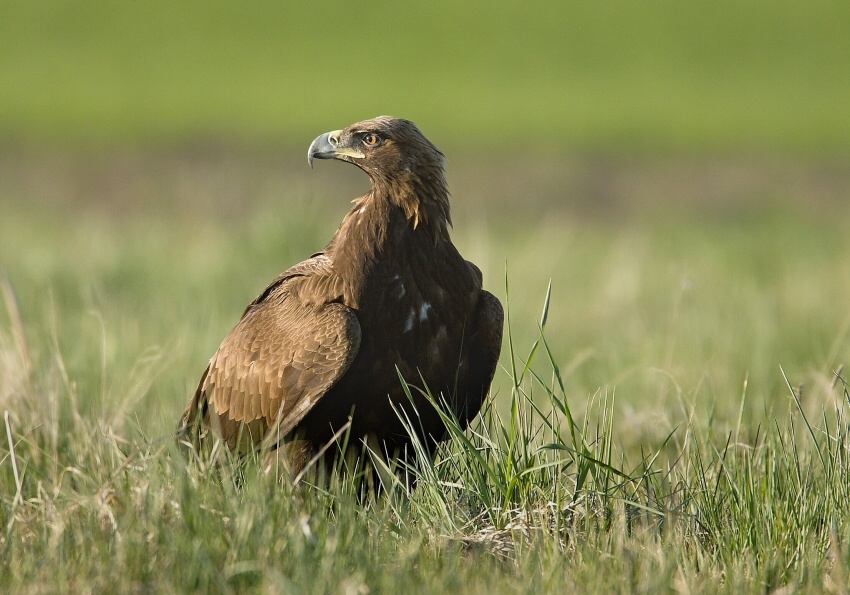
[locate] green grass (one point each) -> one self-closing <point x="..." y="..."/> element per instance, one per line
<point x="602" y="76"/>
<point x="650" y="443"/>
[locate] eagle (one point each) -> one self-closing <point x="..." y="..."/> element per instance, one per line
<point x="325" y="346"/>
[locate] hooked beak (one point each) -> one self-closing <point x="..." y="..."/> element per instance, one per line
<point x="328" y="146"/>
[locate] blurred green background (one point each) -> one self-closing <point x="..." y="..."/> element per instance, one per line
<point x="587" y="76"/>
<point x="679" y="170"/>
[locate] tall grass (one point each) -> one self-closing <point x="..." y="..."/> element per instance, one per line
<point x="538" y="498"/>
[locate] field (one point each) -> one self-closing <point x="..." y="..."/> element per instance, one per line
<point x="661" y="198"/>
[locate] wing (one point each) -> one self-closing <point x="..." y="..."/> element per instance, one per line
<point x="483" y="356"/>
<point x="288" y="349"/>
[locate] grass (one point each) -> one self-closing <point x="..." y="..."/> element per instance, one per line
<point x="532" y="502"/>
<point x="671" y="416"/>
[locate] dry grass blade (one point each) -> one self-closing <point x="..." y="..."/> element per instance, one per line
<point x="16" y="324"/>
<point x="14" y="462"/>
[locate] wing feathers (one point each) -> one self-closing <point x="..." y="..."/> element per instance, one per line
<point x="278" y="361"/>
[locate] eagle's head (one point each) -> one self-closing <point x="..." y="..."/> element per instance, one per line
<point x="388" y="149"/>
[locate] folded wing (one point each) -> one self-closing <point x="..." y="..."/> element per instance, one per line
<point x="281" y="358"/>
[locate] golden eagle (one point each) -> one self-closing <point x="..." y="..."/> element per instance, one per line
<point x="390" y="295"/>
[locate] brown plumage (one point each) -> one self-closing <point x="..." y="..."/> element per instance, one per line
<point x="326" y="340"/>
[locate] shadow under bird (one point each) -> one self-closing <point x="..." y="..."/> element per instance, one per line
<point x="326" y="341"/>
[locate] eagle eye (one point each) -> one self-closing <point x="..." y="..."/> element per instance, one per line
<point x="370" y="139"/>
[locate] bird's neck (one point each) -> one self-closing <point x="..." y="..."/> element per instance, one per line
<point x="382" y="229"/>
<point x="424" y="199"/>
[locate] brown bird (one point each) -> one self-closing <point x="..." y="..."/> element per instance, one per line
<point x="390" y="295"/>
